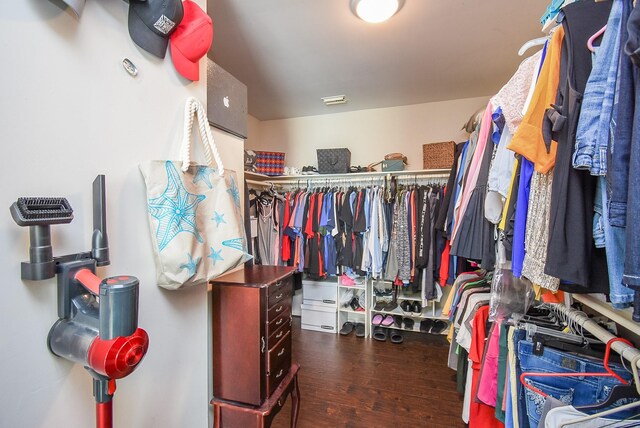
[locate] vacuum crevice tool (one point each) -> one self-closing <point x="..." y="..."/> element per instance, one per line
<point x="39" y="213"/>
<point x="99" y="241"/>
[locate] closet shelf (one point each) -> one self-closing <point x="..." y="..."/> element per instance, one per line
<point x="425" y="314"/>
<point x="359" y="175"/>
<point x="416" y="329"/>
<point x="351" y="311"/>
<point x="353" y="287"/>
<point x="410" y="296"/>
<point x="621" y="317"/>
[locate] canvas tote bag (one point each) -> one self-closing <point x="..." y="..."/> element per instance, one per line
<point x="194" y="211"/>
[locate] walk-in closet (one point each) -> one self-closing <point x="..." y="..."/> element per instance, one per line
<point x="309" y="214"/>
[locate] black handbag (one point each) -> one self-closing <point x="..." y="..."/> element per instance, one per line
<point x="333" y="161"/>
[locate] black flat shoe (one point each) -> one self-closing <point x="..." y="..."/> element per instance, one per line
<point x="408" y="323"/>
<point x="396" y="337"/>
<point x="406" y="306"/>
<point x="425" y="325"/>
<point x="397" y="320"/>
<point x="416" y="308"/>
<point x="360" y="329"/>
<point x="439" y="326"/>
<point x="347" y="328"/>
<point x="380" y="334"/>
<point x="380" y="305"/>
<point x="390" y="306"/>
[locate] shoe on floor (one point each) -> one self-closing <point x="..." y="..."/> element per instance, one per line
<point x="360" y="329"/>
<point x="347" y="328"/>
<point x="396" y="337"/>
<point x="380" y="334"/>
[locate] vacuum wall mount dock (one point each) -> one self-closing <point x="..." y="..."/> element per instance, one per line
<point x="98" y="318"/>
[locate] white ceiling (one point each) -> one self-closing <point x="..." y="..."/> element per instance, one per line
<point x="290" y="53"/>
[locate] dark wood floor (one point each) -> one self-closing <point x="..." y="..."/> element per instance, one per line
<point x="353" y="382"/>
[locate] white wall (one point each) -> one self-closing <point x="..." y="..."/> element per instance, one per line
<point x="68" y="112"/>
<point x="369" y="134"/>
<point x="253" y="132"/>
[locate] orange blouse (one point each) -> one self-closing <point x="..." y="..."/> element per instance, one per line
<point x="528" y="140"/>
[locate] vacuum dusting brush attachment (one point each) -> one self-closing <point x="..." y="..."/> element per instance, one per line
<point x="39" y="214"/>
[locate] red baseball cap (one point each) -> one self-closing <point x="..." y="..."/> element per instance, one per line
<point x="191" y="40"/>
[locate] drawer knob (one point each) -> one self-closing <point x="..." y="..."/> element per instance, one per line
<point x="278" y="284"/>
<point x="279" y="309"/>
<point x="279" y="296"/>
<point x="264" y="345"/>
<point x="279" y="335"/>
<point x="281" y="353"/>
<point x="279" y="321"/>
<point x="279" y="373"/>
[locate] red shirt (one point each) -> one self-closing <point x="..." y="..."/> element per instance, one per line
<point x="480" y="415"/>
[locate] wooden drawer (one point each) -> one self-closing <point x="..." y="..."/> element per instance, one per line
<point x="281" y="294"/>
<point x="281" y="320"/>
<point x="241" y="342"/>
<point x="277" y="287"/>
<point x="276" y="375"/>
<point x="278" y="334"/>
<point x="278" y="309"/>
<point x="280" y="353"/>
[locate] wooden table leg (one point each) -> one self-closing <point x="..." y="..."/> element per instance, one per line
<point x="295" y="402"/>
<point x="217" y="423"/>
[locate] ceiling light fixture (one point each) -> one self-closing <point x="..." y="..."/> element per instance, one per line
<point x="336" y="99"/>
<point x="375" y="11"/>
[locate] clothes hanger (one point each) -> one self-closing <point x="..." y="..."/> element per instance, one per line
<point x="532" y="43"/>
<point x="618" y="422"/>
<point x="618" y="392"/>
<point x="608" y="373"/>
<point x="601" y="414"/>
<point x="592" y="39"/>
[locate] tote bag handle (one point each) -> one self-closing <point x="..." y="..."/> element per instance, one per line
<point x="193" y="108"/>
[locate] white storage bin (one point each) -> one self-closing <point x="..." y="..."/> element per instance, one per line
<point x="320" y="293"/>
<point x="319" y="318"/>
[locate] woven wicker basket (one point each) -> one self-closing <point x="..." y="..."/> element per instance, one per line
<point x="438" y="155"/>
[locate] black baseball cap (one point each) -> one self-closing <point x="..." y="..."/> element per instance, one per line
<point x="151" y="22"/>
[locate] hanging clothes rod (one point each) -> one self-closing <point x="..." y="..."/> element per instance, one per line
<point x="438" y="177"/>
<point x="419" y="172"/>
<point x="360" y="177"/>
<point x="318" y="180"/>
<point x="580" y="318"/>
<point x="266" y="184"/>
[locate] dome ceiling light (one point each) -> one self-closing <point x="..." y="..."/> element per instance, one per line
<point x="375" y="11"/>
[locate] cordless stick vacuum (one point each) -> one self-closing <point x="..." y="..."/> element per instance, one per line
<point x="98" y="325"/>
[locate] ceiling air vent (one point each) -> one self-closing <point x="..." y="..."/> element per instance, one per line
<point x="337" y="99"/>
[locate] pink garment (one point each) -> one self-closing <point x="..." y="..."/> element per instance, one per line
<point x="474" y="167"/>
<point x="488" y="385"/>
